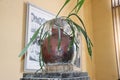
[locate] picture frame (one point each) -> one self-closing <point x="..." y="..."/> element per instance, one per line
<point x="35" y="17"/>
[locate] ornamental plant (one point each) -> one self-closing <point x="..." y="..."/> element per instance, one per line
<point x="74" y="27"/>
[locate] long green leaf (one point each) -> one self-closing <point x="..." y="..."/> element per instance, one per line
<point x="89" y="44"/>
<point x="66" y="2"/>
<point x="88" y="41"/>
<point x="31" y="40"/>
<point x="78" y="5"/>
<point x="59" y="37"/>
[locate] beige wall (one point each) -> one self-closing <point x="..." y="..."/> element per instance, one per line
<point x="105" y="58"/>
<point x="10" y="38"/>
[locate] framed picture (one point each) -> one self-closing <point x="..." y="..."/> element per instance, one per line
<point x="35" y="17"/>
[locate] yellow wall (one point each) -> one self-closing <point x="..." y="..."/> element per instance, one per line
<point x="105" y="58"/>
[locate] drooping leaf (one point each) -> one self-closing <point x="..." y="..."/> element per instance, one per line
<point x="31" y="40"/>
<point x="79" y="28"/>
<point x="73" y="14"/>
<point x="89" y="44"/>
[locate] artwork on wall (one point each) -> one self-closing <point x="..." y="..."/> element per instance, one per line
<point x="35" y="18"/>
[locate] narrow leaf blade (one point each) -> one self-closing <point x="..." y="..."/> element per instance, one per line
<point x="66" y="2"/>
<point x="31" y="40"/>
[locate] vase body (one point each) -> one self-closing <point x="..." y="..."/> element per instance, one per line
<point x="50" y="52"/>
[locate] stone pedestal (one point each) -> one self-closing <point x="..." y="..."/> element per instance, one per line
<point x="56" y="76"/>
